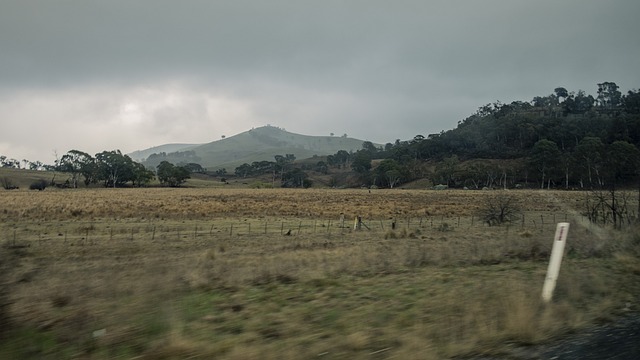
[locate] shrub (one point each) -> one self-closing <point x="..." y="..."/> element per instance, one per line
<point x="38" y="185"/>
<point x="444" y="227"/>
<point x="306" y="183"/>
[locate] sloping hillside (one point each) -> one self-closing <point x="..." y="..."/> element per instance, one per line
<point x="257" y="144"/>
<point x="140" y="155"/>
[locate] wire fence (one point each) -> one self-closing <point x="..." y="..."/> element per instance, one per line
<point x="90" y="232"/>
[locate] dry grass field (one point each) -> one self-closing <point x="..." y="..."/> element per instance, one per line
<point x="278" y="274"/>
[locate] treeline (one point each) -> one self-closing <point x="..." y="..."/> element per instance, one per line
<point x="10" y="163"/>
<point x="114" y="169"/>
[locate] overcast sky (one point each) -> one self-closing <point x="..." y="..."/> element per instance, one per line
<point x="129" y="75"/>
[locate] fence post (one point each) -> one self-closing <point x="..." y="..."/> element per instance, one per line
<point x="357" y="223"/>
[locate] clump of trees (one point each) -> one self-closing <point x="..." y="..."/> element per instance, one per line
<point x="282" y="170"/>
<point x="114" y="169"/>
<point x="171" y="175"/>
<point x="111" y="168"/>
<point x="183" y="158"/>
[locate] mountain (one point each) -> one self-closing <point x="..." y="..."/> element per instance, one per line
<point x="257" y="144"/>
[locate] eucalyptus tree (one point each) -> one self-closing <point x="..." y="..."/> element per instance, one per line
<point x="589" y="160"/>
<point x="544" y="158"/>
<point x="76" y="163"/>
<point x="113" y="168"/>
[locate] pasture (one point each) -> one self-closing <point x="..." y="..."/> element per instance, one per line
<point x="273" y="273"/>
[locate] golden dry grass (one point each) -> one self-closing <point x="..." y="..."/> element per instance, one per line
<point x="178" y="273"/>
<point x="178" y="203"/>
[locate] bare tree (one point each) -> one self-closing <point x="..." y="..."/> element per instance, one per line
<point x="500" y="209"/>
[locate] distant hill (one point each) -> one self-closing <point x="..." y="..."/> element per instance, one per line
<point x="257" y="144"/>
<point x="140" y="155"/>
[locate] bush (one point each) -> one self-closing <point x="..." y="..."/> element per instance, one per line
<point x="306" y="183"/>
<point x="444" y="227"/>
<point x="38" y="185"/>
<point x="7" y="184"/>
<point x="500" y="209"/>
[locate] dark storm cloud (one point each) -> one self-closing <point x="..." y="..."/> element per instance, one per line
<point x="376" y="70"/>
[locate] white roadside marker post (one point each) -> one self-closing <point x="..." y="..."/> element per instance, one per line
<point x="554" y="263"/>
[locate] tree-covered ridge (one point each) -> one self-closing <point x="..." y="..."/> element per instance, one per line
<point x="567" y="139"/>
<point x="510" y="130"/>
